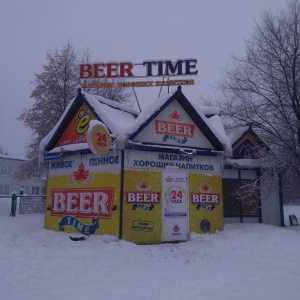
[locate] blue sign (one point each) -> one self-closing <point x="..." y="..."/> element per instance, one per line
<point x="82" y="228"/>
<point x="174" y="138"/>
<point x="52" y="156"/>
<point x="142" y="206"/>
<point x="202" y="205"/>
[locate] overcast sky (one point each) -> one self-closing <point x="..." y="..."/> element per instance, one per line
<point x="117" y="30"/>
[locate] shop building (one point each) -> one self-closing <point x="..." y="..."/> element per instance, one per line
<point x="153" y="176"/>
<point x="148" y="177"/>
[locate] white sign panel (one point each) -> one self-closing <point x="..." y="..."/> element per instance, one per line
<point x="173" y="126"/>
<point x="161" y="160"/>
<point x="86" y="163"/>
<point x="175" y="206"/>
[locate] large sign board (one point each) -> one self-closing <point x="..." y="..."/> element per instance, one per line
<point x="141" y="160"/>
<point x="83" y="193"/>
<point x="147" y="69"/>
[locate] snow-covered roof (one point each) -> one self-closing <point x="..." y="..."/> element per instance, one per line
<point x="12" y="157"/>
<point x="118" y="118"/>
<point x="123" y="121"/>
<point x="149" y="111"/>
<point x="216" y="125"/>
<point x="210" y="116"/>
<point x="235" y="133"/>
<point x="207" y="110"/>
<point x="243" y="163"/>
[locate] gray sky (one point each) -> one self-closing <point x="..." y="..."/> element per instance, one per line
<point x="117" y="30"/>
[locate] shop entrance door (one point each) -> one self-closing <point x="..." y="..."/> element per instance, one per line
<point x="175" y="206"/>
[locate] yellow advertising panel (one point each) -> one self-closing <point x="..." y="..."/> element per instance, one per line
<point x="156" y="186"/>
<point x="83" y="194"/>
<point x="142" y="214"/>
<point x="206" y="203"/>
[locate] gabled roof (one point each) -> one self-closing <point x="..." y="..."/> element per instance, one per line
<point x="246" y="146"/>
<point x="125" y="122"/>
<point x="114" y="115"/>
<point x="157" y="107"/>
<point x="9" y="157"/>
<point x="237" y="134"/>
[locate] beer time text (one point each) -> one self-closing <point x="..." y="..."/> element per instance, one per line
<point x="159" y="68"/>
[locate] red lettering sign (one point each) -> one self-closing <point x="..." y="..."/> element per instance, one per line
<point x="82" y="202"/>
<point x="110" y="70"/>
<point x="205" y="198"/>
<point x="178" y="129"/>
<point x="124" y="69"/>
<point x="142" y="197"/>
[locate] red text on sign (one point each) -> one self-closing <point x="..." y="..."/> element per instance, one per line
<point x="110" y="70"/>
<point x="205" y="198"/>
<point x="101" y="139"/>
<point x="142" y="197"/>
<point x="82" y="202"/>
<point x="178" y="129"/>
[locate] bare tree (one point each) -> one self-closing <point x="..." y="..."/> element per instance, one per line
<point x="263" y="87"/>
<point x="113" y="90"/>
<point x="54" y="88"/>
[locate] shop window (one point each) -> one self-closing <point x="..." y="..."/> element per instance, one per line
<point x="43" y="190"/>
<point x="4" y="171"/>
<point x="247" y="154"/>
<point x="4" y="189"/>
<point x="241" y="199"/>
<point x="26" y="190"/>
<point x="35" y="190"/>
<point x="250" y="198"/>
<point x="230" y="198"/>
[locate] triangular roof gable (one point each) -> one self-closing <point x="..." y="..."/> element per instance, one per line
<point x="191" y="112"/>
<point x="247" y="145"/>
<point x="66" y="122"/>
<point x="107" y="111"/>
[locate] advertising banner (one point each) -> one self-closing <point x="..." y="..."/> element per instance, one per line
<point x="84" y="194"/>
<point x="75" y="132"/>
<point x="146" y="160"/>
<point x="142" y="207"/>
<point x="206" y="203"/>
<point x="175" y="206"/>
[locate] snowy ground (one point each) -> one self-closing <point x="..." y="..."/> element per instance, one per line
<point x="245" y="261"/>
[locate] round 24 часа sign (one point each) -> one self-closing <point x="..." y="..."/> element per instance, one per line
<point x="99" y="138"/>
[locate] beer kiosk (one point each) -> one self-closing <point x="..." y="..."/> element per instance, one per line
<point x="147" y="177"/>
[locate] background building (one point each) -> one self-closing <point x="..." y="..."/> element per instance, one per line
<point x="9" y="184"/>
